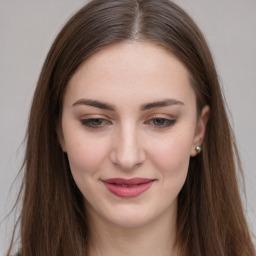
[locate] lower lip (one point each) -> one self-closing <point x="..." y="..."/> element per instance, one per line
<point x="131" y="191"/>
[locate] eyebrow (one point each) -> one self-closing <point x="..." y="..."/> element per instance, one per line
<point x="162" y="103"/>
<point x="94" y="103"/>
<point x="107" y="106"/>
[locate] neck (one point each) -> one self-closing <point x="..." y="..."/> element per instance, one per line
<point x="154" y="238"/>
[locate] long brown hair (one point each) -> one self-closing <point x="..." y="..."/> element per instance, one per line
<point x="210" y="219"/>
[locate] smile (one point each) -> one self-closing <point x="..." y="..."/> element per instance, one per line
<point x="128" y="187"/>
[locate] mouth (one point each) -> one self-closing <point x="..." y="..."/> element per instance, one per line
<point x="128" y="187"/>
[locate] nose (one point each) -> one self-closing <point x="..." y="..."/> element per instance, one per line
<point x="127" y="151"/>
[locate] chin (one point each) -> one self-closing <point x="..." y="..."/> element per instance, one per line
<point x="137" y="216"/>
<point x="128" y="216"/>
<point x="131" y="221"/>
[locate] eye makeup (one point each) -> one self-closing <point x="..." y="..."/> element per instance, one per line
<point x="95" y="123"/>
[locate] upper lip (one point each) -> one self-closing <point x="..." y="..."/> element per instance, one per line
<point x="133" y="181"/>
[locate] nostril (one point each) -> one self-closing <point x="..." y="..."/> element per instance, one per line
<point x="126" y="166"/>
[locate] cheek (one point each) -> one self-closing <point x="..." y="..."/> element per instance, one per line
<point x="171" y="156"/>
<point x="85" y="153"/>
<point x="86" y="157"/>
<point x="172" y="161"/>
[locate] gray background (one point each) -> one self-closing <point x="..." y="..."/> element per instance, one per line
<point x="27" y="29"/>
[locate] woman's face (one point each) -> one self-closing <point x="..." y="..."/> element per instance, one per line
<point x="129" y="127"/>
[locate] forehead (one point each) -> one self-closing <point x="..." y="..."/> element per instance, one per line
<point x="131" y="70"/>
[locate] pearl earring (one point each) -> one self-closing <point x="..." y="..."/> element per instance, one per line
<point x="198" y="149"/>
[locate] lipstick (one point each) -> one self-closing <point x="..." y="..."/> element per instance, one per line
<point x="128" y="187"/>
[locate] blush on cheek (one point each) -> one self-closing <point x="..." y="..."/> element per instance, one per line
<point x="85" y="157"/>
<point x="172" y="158"/>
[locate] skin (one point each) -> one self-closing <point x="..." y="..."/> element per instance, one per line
<point x="129" y="142"/>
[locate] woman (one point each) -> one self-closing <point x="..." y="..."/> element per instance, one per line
<point x="129" y="149"/>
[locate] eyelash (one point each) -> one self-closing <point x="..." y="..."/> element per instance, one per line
<point x="97" y="123"/>
<point x="164" y="122"/>
<point x="90" y="123"/>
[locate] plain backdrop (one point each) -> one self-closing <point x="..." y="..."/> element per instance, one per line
<point x="27" y="29"/>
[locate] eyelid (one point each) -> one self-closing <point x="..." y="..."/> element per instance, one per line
<point x="161" y="115"/>
<point x="88" y="122"/>
<point x="168" y="121"/>
<point x="156" y="121"/>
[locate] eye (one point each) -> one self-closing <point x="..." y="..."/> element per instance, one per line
<point x="161" y="122"/>
<point x="95" y="122"/>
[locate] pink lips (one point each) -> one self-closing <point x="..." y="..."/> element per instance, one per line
<point x="128" y="187"/>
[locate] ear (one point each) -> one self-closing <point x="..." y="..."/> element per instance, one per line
<point x="200" y="130"/>
<point x="60" y="136"/>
